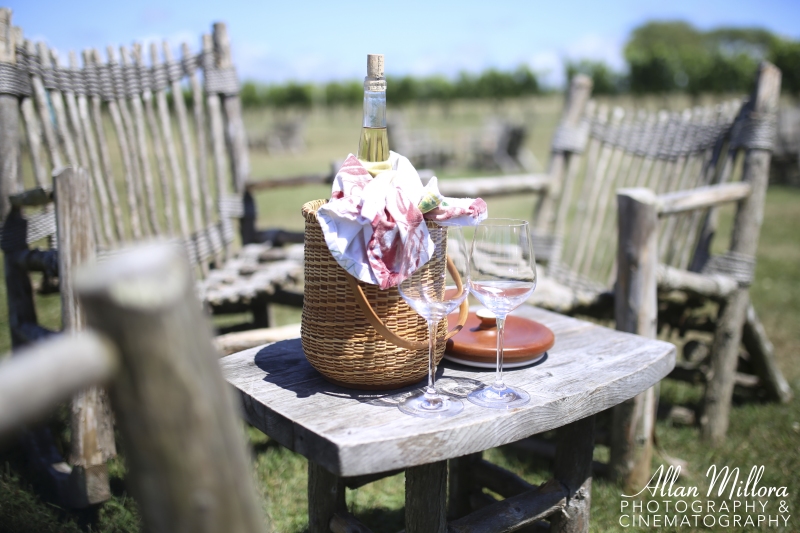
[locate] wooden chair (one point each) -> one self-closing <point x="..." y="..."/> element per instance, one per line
<point x="422" y="148"/>
<point x="286" y="136"/>
<point x="188" y="466"/>
<point x="693" y="161"/>
<point x="501" y="146"/>
<point x="785" y="164"/>
<point x="166" y="154"/>
<point x="118" y="123"/>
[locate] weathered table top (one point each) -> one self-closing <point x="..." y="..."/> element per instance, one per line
<point x="351" y="433"/>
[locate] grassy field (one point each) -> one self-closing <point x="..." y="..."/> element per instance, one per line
<point x="760" y="434"/>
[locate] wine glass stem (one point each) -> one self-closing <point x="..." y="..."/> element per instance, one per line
<point x="498" y="381"/>
<point x="430" y="392"/>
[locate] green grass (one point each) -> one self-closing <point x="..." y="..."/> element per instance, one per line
<point x="760" y="433"/>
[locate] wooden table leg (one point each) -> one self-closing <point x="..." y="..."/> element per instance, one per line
<point x="325" y="497"/>
<point x="573" y="468"/>
<point x="426" y="498"/>
<point x="462" y="484"/>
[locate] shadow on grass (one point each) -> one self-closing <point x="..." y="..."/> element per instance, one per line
<point x="29" y="501"/>
<point x="378" y="520"/>
<point x="383" y="520"/>
<point x="262" y="447"/>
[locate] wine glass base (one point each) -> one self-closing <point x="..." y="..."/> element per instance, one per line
<point x="505" y="398"/>
<point x="441" y="407"/>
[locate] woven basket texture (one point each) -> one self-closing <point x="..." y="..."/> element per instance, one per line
<point x="337" y="338"/>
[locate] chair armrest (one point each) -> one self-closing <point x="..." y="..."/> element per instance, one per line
<point x="48" y="372"/>
<point x="321" y="178"/>
<point x="716" y="286"/>
<point x="702" y="197"/>
<point x="495" y="185"/>
<point x="32" y="197"/>
<point x="243" y="340"/>
<point x="317" y="178"/>
<point x="460" y="187"/>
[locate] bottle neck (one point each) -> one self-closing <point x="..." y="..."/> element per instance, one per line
<point x="374" y="109"/>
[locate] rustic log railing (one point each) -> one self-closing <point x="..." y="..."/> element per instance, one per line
<point x="496" y="185"/>
<point x="151" y="342"/>
<point x="67" y="363"/>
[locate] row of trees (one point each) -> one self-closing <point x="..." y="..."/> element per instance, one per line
<point x="660" y="56"/>
<point x="491" y="83"/>
<point x="675" y="56"/>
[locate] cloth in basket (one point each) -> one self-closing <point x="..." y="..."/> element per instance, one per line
<point x="374" y="227"/>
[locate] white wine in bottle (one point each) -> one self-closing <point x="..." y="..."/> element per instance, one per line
<point x="373" y="148"/>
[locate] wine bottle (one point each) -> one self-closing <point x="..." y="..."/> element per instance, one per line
<point x="373" y="148"/>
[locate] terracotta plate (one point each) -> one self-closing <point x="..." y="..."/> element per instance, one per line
<point x="525" y="341"/>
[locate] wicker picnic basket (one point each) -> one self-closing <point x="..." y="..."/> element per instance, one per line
<point x="355" y="334"/>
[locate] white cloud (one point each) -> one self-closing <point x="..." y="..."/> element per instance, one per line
<point x="598" y="48"/>
<point x="550" y="64"/>
<point x="259" y="61"/>
<point x="448" y="64"/>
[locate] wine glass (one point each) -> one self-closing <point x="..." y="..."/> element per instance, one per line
<point x="434" y="292"/>
<point x="503" y="276"/>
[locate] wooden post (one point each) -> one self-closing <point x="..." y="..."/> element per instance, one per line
<point x="92" y="424"/>
<point x="9" y="118"/>
<point x="76" y="242"/>
<point x="188" y="466"/>
<point x="325" y="497"/>
<point x="573" y="468"/>
<point x="580" y="90"/>
<point x="762" y="355"/>
<point x="235" y="134"/>
<point x="744" y="241"/>
<point x="19" y="290"/>
<point x="426" y="498"/>
<point x="636" y="309"/>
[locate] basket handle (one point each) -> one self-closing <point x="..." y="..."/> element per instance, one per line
<point x="388" y="334"/>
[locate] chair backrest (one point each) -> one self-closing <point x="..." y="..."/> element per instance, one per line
<point x="597" y="150"/>
<point x="161" y="138"/>
<point x="151" y="165"/>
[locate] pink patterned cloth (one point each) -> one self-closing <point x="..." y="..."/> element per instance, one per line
<point x="374" y="227"/>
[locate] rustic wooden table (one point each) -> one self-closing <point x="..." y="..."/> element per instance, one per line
<point x="352" y="436"/>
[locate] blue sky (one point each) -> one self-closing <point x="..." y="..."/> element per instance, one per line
<point x="275" y="41"/>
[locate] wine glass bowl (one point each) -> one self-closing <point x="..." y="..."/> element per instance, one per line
<point x="503" y="276"/>
<point x="434" y="293"/>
